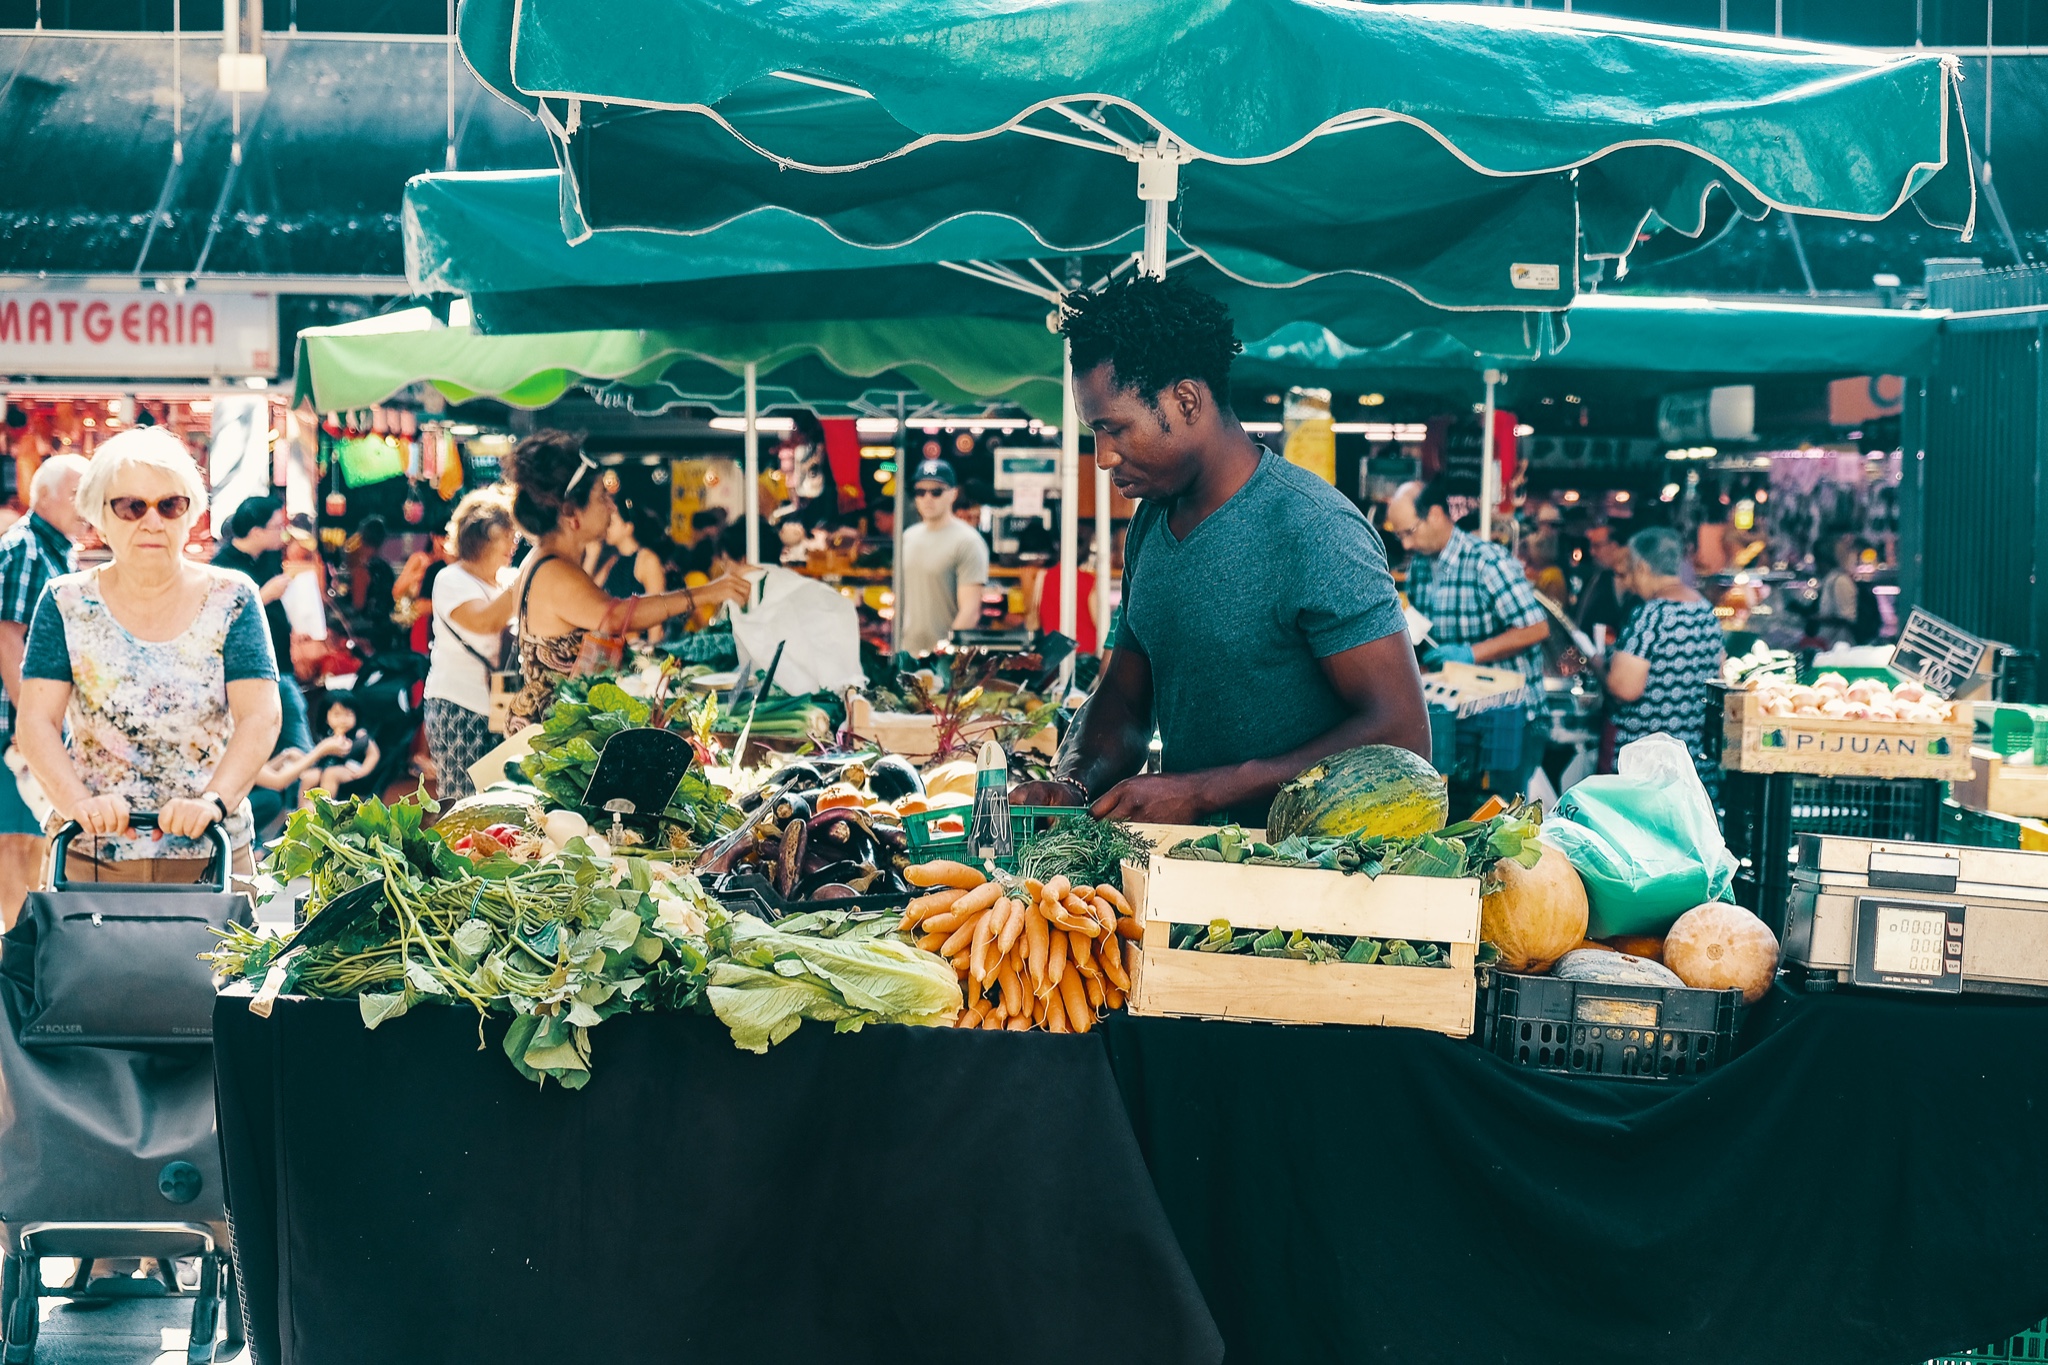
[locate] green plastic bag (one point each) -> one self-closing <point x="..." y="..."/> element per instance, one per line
<point x="1644" y="840"/>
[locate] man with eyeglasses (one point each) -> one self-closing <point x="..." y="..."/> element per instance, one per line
<point x="945" y="564"/>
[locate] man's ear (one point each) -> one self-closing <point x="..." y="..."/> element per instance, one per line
<point x="1191" y="397"/>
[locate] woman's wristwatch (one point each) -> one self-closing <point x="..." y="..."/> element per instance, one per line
<point x="220" y="803"/>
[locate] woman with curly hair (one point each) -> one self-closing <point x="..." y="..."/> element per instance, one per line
<point x="563" y="502"/>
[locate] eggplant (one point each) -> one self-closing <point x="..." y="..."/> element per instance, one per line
<point x="729" y="850"/>
<point x="839" y="873"/>
<point x="833" y="891"/>
<point x="748" y="801"/>
<point x="796" y="777"/>
<point x="888" y="836"/>
<point x="791" y="807"/>
<point x="789" y="859"/>
<point x="846" y="833"/>
<point x="891" y="778"/>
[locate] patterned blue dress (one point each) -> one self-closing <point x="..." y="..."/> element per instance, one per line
<point x="1684" y="644"/>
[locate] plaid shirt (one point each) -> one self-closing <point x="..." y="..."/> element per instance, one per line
<point x="1473" y="590"/>
<point x="31" y="554"/>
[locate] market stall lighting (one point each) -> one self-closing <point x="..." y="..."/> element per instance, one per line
<point x="778" y="425"/>
<point x="1524" y="429"/>
<point x="1571" y="495"/>
<point x="1372" y="400"/>
<point x="1380" y="431"/>
<point x="1692" y="453"/>
<point x="1669" y="493"/>
<point x="462" y="431"/>
<point x="1261" y="428"/>
<point x="875" y="426"/>
<point x="1621" y="496"/>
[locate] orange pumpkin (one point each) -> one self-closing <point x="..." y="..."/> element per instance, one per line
<point x="1639" y="945"/>
<point x="1534" y="915"/>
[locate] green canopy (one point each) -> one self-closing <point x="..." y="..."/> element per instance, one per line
<point x="959" y="361"/>
<point x="497" y="238"/>
<point x="1650" y="334"/>
<point x="1468" y="153"/>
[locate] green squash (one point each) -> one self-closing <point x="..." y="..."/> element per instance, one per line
<point x="1379" y="789"/>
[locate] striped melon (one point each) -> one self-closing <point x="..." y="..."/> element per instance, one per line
<point x="1379" y="789"/>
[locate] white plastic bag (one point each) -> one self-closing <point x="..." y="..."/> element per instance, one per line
<point x="819" y="629"/>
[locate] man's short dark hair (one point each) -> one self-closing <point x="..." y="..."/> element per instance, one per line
<point x="1153" y="333"/>
<point x="1442" y="490"/>
<point x="252" y="514"/>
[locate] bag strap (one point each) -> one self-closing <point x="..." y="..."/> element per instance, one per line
<point x="531" y="574"/>
<point x="455" y="634"/>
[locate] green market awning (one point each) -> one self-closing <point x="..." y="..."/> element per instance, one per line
<point x="1653" y="335"/>
<point x="1470" y="154"/>
<point x="958" y="361"/>
<point x="497" y="238"/>
<point x="1619" y="345"/>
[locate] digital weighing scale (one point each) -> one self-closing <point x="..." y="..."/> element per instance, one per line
<point x="1918" y="917"/>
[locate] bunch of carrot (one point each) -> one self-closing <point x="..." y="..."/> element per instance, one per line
<point x="1030" y="954"/>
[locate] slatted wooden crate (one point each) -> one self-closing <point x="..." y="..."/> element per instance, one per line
<point x="1753" y="742"/>
<point x="1172" y="981"/>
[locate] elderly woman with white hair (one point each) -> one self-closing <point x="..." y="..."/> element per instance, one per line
<point x="162" y="666"/>
<point x="1668" y="653"/>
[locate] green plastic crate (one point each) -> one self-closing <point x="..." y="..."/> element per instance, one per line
<point x="2008" y="727"/>
<point x="1025" y="821"/>
<point x="1976" y="828"/>
<point x="2030" y="1345"/>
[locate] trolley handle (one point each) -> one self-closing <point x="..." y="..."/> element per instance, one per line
<point x="60" y="846"/>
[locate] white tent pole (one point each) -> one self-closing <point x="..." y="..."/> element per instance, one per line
<point x="1486" y="475"/>
<point x="1070" y="502"/>
<point x="1102" y="557"/>
<point x="753" y="474"/>
<point x="896" y="529"/>
<point x="1158" y="187"/>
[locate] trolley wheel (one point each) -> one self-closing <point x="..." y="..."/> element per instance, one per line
<point x="231" y="1304"/>
<point x="20" y="1286"/>
<point x="205" y="1312"/>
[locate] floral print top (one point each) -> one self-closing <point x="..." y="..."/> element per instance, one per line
<point x="148" y="719"/>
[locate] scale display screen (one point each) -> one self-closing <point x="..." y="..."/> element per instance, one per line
<point x="1909" y="944"/>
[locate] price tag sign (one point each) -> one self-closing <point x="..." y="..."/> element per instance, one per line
<point x="1943" y="657"/>
<point x="1911" y="945"/>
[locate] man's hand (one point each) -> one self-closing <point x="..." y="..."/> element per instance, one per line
<point x="1054" y="793"/>
<point x="1448" y="654"/>
<point x="274" y="589"/>
<point x="1155" y="799"/>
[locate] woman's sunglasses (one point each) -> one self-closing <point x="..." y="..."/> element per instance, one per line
<point x="135" y="509"/>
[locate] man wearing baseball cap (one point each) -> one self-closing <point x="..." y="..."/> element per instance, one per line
<point x="945" y="564"/>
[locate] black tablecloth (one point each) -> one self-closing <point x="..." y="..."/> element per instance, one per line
<point x="1867" y="1184"/>
<point x="898" y="1195"/>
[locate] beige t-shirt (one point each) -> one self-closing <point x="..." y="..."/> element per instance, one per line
<point x="935" y="564"/>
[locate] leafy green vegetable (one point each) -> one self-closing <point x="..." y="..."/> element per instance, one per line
<point x="1086" y="851"/>
<point x="767" y="980"/>
<point x="1470" y="848"/>
<point x="1217" y="936"/>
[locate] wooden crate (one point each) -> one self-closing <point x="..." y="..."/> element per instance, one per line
<point x="1753" y="742"/>
<point x="2002" y="788"/>
<point x="1184" y="982"/>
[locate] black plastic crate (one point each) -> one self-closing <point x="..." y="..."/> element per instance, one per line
<point x="1587" y="1028"/>
<point x="1765" y="813"/>
<point x="751" y="893"/>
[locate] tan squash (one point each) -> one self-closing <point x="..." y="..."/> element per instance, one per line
<point x="1716" y="947"/>
<point x="1536" y="914"/>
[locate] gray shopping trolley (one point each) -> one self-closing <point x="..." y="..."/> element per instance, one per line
<point x="107" y="1144"/>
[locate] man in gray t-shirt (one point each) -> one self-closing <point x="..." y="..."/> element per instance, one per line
<point x="945" y="564"/>
<point x="1261" y="630"/>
